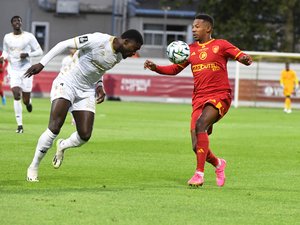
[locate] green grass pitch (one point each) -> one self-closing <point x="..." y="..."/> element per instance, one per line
<point x="135" y="168"/>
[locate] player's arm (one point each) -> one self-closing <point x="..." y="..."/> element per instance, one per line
<point x="36" y="49"/>
<point x="3" y="64"/>
<point x="235" y="53"/>
<point x="296" y="81"/>
<point x="245" y="59"/>
<point x="281" y="80"/>
<point x="100" y="93"/>
<point x="173" y="69"/>
<point x="5" y="51"/>
<point x="56" y="50"/>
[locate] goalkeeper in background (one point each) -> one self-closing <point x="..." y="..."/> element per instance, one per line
<point x="289" y="82"/>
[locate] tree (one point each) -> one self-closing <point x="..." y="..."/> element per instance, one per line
<point x="289" y="11"/>
<point x="256" y="25"/>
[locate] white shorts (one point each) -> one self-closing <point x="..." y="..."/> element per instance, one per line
<point x="17" y="79"/>
<point x="80" y="100"/>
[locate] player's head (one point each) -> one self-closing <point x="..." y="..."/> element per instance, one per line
<point x="16" y="22"/>
<point x="15" y="17"/>
<point x="132" y="40"/>
<point x="202" y="26"/>
<point x="206" y="18"/>
<point x="287" y="66"/>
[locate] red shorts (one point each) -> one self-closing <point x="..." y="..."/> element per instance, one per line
<point x="221" y="102"/>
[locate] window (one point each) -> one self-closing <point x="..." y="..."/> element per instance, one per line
<point x="154" y="34"/>
<point x="41" y="31"/>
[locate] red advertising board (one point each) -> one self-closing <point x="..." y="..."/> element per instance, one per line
<point x="151" y="86"/>
<point x="120" y="85"/>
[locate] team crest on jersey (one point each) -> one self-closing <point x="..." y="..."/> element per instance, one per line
<point x="83" y="39"/>
<point x="215" y="49"/>
<point x="203" y="55"/>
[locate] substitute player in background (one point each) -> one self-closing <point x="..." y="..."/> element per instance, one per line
<point x="289" y="82"/>
<point x="18" y="47"/>
<point x="212" y="93"/>
<point x="3" y="65"/>
<point x="76" y="90"/>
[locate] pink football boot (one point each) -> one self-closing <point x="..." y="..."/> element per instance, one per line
<point x="220" y="172"/>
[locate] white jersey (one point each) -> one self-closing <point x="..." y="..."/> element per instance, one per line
<point x="68" y="62"/>
<point x="14" y="45"/>
<point x="96" y="56"/>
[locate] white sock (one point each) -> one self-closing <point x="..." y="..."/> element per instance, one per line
<point x="73" y="141"/>
<point x="44" y="143"/>
<point x="218" y="164"/>
<point x="18" y="111"/>
<point x="200" y="173"/>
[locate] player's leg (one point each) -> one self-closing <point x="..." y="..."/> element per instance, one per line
<point x="287" y="104"/>
<point x="210" y="157"/>
<point x="59" y="110"/>
<point x="84" y="123"/>
<point x="27" y="100"/>
<point x="26" y="94"/>
<point x="3" y="98"/>
<point x="16" y="90"/>
<point x="207" y="118"/>
<point x="198" y="178"/>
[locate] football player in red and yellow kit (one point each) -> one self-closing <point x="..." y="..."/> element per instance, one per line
<point x="212" y="93"/>
<point x="3" y="64"/>
<point x="289" y="82"/>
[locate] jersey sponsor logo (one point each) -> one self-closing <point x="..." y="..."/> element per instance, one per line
<point x="83" y="39"/>
<point x="203" y="55"/>
<point x="215" y="49"/>
<point x="208" y="66"/>
<point x="203" y="48"/>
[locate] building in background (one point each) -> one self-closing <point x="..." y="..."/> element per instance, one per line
<point x="54" y="20"/>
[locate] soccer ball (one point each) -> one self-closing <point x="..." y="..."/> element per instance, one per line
<point x="178" y="52"/>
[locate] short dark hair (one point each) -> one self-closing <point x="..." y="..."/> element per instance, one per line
<point x="15" y="17"/>
<point x="133" y="35"/>
<point x="205" y="17"/>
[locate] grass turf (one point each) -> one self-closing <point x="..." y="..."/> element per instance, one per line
<point x="135" y="168"/>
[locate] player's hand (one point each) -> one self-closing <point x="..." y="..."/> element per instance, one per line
<point x="34" y="69"/>
<point x="24" y="55"/>
<point x="100" y="95"/>
<point x="246" y="60"/>
<point x="149" y="65"/>
<point x="1" y="59"/>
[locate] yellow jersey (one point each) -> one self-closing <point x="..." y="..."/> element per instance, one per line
<point x="289" y="81"/>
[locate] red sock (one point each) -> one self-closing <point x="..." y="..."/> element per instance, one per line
<point x="202" y="149"/>
<point x="1" y="93"/>
<point x="211" y="158"/>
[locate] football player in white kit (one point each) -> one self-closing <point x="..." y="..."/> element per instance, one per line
<point x="80" y="89"/>
<point x="18" y="47"/>
<point x="67" y="63"/>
